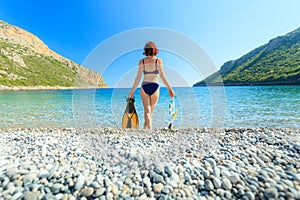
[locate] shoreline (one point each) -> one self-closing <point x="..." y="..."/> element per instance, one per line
<point x="109" y="163"/>
<point x="33" y="88"/>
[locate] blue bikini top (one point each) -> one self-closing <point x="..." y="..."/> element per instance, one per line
<point x="153" y="72"/>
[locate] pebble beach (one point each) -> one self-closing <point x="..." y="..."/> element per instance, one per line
<point x="107" y="163"/>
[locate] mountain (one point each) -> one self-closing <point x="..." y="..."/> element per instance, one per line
<point x="27" y="63"/>
<point x="275" y="63"/>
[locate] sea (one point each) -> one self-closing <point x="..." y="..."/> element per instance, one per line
<point x="221" y="107"/>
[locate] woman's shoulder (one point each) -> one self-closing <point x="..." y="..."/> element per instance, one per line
<point x="159" y="60"/>
<point x="141" y="61"/>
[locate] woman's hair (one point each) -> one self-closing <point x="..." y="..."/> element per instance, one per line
<point x="150" y="49"/>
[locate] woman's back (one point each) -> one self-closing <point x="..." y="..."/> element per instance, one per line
<point x="150" y="69"/>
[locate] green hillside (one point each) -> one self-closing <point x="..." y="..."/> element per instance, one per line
<point x="275" y="63"/>
<point x="27" y="62"/>
<point x="39" y="70"/>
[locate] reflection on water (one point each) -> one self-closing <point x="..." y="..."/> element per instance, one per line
<point x="255" y="106"/>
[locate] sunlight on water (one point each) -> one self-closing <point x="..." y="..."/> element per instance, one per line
<point x="264" y="106"/>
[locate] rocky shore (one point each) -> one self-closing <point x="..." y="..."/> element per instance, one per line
<point x="259" y="163"/>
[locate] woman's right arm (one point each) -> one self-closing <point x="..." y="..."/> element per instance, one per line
<point x="164" y="79"/>
<point x="137" y="80"/>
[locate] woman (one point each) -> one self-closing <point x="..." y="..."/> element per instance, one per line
<point x="151" y="67"/>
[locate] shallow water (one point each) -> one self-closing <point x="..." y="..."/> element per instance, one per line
<point x="253" y="106"/>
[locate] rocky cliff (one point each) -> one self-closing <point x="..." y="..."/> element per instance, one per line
<point x="26" y="61"/>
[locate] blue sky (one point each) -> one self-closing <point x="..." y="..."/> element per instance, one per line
<point x="226" y="30"/>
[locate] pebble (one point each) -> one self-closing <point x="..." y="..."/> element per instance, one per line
<point x="212" y="162"/>
<point x="220" y="192"/>
<point x="43" y="174"/>
<point x="174" y="180"/>
<point x="158" y="187"/>
<point x="187" y="176"/>
<point x="99" y="192"/>
<point x="271" y="193"/>
<point x="241" y="192"/>
<point x="128" y="181"/>
<point x="168" y="170"/>
<point x="250" y="195"/>
<point x="295" y="193"/>
<point x="217" y="172"/>
<point x="258" y="163"/>
<point x="187" y="192"/>
<point x="158" y="178"/>
<point x="59" y="196"/>
<point x="208" y="185"/>
<point x="29" y="178"/>
<point x="146" y="181"/>
<point x="228" y="195"/>
<point x="86" y="192"/>
<point x="287" y="182"/>
<point x="226" y="184"/>
<point x="253" y="188"/>
<point x="95" y="185"/>
<point x="217" y="182"/>
<point x="234" y="178"/>
<point x="225" y="173"/>
<point x="56" y="188"/>
<point x="23" y="171"/>
<point x="109" y="196"/>
<point x="136" y="193"/>
<point x="206" y="173"/>
<point x="297" y="146"/>
<point x="31" y="195"/>
<point x="12" y="173"/>
<point x="79" y="183"/>
<point x="16" y="196"/>
<point x="115" y="189"/>
<point x="165" y="190"/>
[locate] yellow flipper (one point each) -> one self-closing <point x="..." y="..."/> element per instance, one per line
<point x="130" y="117"/>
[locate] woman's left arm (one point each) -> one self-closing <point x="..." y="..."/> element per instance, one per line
<point x="136" y="81"/>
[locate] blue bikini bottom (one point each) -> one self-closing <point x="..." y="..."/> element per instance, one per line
<point x="150" y="87"/>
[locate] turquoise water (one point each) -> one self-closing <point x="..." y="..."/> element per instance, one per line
<point x="232" y="107"/>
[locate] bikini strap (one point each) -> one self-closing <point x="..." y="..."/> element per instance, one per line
<point x="156" y="62"/>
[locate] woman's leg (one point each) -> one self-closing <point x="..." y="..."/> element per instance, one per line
<point x="147" y="109"/>
<point x="149" y="103"/>
<point x="153" y="100"/>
